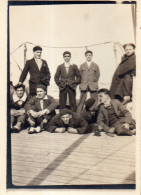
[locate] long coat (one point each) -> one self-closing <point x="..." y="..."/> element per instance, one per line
<point x="122" y="79"/>
<point x="121" y="112"/>
<point x="89" y="76"/>
<point x="71" y="79"/>
<point x="37" y="76"/>
<point x="76" y="122"/>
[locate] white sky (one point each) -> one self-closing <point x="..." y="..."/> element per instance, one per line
<point x="71" y="25"/>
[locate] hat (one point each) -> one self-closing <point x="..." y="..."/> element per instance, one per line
<point x="129" y="44"/>
<point x="65" y="111"/>
<point x="89" y="103"/>
<point x="37" y="48"/>
<point x="42" y="87"/>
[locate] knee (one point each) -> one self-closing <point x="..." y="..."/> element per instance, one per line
<point x="31" y="122"/>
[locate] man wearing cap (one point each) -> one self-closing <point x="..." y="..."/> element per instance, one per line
<point x="122" y="82"/>
<point x="38" y="70"/>
<point x="113" y="117"/>
<point x="89" y="79"/>
<point x="67" y="78"/>
<point x="68" y="121"/>
<point x="18" y="100"/>
<point x="40" y="109"/>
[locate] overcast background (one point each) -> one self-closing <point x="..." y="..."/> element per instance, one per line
<point x="70" y="26"/>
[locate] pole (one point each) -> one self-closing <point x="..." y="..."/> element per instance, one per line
<point x="115" y="51"/>
<point x="25" y="50"/>
<point x="133" y="8"/>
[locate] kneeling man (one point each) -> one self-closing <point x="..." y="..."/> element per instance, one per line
<point x="69" y="121"/>
<point x="40" y="109"/>
<point x="17" y="103"/>
<point x="113" y="116"/>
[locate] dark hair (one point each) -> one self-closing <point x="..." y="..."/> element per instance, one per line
<point x="66" y="52"/>
<point x="104" y="90"/>
<point x="65" y="111"/>
<point x="19" y="86"/>
<point x="42" y="87"/>
<point x="37" y="48"/>
<point x="88" y="51"/>
<point x="129" y="44"/>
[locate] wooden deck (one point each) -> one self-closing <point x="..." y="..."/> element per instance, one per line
<point x="70" y="159"/>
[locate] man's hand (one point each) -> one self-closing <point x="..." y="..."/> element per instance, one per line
<point x="20" y="112"/>
<point x="126" y="125"/>
<point x="60" y="130"/>
<point x="72" y="130"/>
<point x="43" y="112"/>
<point x="112" y="130"/>
<point x="32" y="113"/>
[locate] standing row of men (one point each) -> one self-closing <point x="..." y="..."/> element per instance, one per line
<point x="42" y="106"/>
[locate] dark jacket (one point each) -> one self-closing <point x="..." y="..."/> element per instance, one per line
<point x="122" y="79"/>
<point x="71" y="79"/>
<point x="37" y="76"/>
<point x="89" y="76"/>
<point x="76" y="122"/>
<point x="34" y="104"/>
<point x="121" y="112"/>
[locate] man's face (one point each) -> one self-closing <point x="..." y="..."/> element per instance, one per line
<point x="40" y="93"/>
<point x="102" y="97"/>
<point x="129" y="50"/>
<point x="20" y="92"/>
<point x="89" y="56"/>
<point x="37" y="54"/>
<point x="67" y="57"/>
<point x="66" y="118"/>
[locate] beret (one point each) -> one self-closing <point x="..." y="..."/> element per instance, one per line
<point x="37" y="48"/>
<point x="65" y="111"/>
<point x="42" y="87"/>
<point x="90" y="102"/>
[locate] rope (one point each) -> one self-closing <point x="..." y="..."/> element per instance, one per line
<point x="66" y="46"/>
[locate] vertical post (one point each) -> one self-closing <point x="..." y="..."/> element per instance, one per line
<point x="133" y="9"/>
<point x="115" y="51"/>
<point x="25" y="50"/>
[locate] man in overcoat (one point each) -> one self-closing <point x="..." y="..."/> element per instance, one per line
<point x="40" y="109"/>
<point x="38" y="70"/>
<point x="113" y="117"/>
<point x="122" y="82"/>
<point x="68" y="121"/>
<point x="18" y="100"/>
<point x="89" y="79"/>
<point x="67" y="78"/>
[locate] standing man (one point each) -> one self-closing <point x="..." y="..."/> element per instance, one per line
<point x="122" y="82"/>
<point x="40" y="109"/>
<point x="38" y="70"/>
<point x="67" y="78"/>
<point x="89" y="79"/>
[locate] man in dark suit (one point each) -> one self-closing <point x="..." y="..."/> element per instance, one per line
<point x="68" y="121"/>
<point x="38" y="70"/>
<point x="113" y="117"/>
<point x="67" y="78"/>
<point x="89" y="79"/>
<point x="40" y="109"/>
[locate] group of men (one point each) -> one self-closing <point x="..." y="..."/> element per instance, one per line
<point x="99" y="112"/>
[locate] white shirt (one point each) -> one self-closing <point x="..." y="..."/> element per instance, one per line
<point x="89" y="63"/>
<point x="42" y="102"/>
<point x="38" y="62"/>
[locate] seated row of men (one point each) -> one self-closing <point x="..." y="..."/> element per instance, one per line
<point x="106" y="114"/>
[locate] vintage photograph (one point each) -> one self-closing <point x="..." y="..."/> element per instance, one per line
<point x="71" y="95"/>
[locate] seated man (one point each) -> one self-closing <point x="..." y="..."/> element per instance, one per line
<point x="17" y="103"/>
<point x="40" y="109"/>
<point x="113" y="117"/>
<point x="69" y="121"/>
<point x="89" y="113"/>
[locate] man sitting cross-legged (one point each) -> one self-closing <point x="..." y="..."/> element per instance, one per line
<point x="40" y="109"/>
<point x="17" y="103"/>
<point x="113" y="116"/>
<point x="69" y="121"/>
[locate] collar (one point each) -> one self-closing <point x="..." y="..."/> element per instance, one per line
<point x="16" y="98"/>
<point x="67" y="64"/>
<point x="45" y="98"/>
